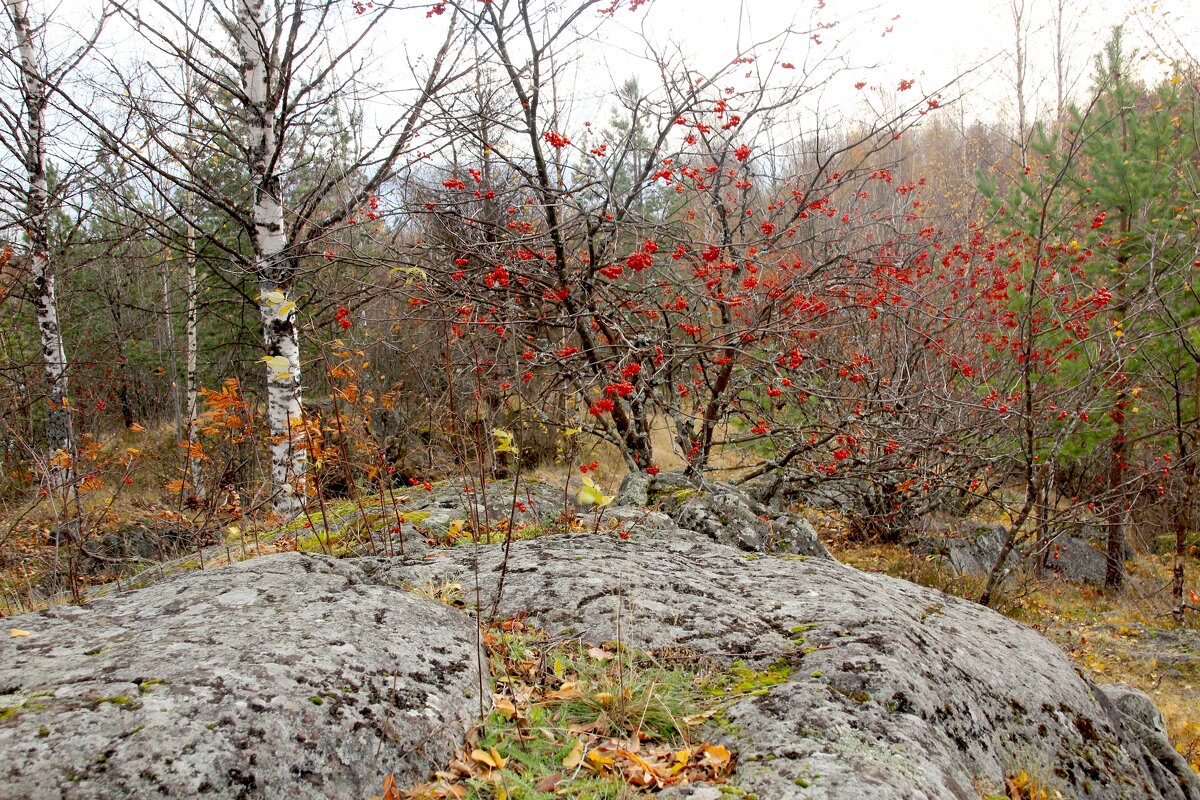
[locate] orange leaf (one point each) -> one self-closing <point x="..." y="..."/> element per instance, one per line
<point x="390" y="790"/>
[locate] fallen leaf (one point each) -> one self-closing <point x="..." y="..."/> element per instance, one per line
<point x="504" y="706"/>
<point x="490" y="757"/>
<point x="599" y="762"/>
<point x="565" y="692"/>
<point x="17" y="632"/>
<point x="651" y="772"/>
<point x="716" y="755"/>
<point x="571" y="760"/>
<point x="600" y="724"/>
<point x="549" y="783"/>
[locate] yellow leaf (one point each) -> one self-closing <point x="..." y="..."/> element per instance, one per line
<point x="572" y="759"/>
<point x="17" y="633"/>
<point x="504" y="441"/>
<point x="137" y="427"/>
<point x="279" y="365"/>
<point x="456" y="528"/>
<point x="593" y="495"/>
<point x="565" y="692"/>
<point x="599" y="762"/>
<point x="484" y="757"/>
<point x="503" y="705"/>
<point x="717" y="755"/>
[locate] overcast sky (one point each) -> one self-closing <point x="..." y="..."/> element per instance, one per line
<point x="881" y="42"/>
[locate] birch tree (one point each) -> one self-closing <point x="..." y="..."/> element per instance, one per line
<point x="260" y="103"/>
<point x="23" y="114"/>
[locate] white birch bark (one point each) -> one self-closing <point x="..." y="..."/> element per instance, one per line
<point x="190" y="344"/>
<point x="272" y="264"/>
<point x="59" y="435"/>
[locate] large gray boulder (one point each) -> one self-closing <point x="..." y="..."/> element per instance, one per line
<point x="305" y="677"/>
<point x="285" y="676"/>
<point x="892" y="690"/>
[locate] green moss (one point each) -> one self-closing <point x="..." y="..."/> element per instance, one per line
<point x="415" y="517"/>
<point x="145" y="685"/>
<point x="319" y="541"/>
<point x="317" y="701"/>
<point x="120" y="700"/>
<point x="678" y="496"/>
<point x="43" y="732"/>
<point x="742" y="680"/>
<point x="733" y="791"/>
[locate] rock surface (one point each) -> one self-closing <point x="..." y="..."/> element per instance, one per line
<point x="895" y="691"/>
<point x="722" y="513"/>
<point x="285" y="676"/>
<point x="280" y="677"/>
<point x="715" y="512"/>
<point x="972" y="549"/>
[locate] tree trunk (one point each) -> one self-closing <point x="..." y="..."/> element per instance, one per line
<point x="1183" y="520"/>
<point x="190" y="343"/>
<point x="273" y="265"/>
<point x="59" y="437"/>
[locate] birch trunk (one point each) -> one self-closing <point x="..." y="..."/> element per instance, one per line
<point x="195" y="473"/>
<point x="272" y="264"/>
<point x="59" y="437"/>
<point x="190" y="344"/>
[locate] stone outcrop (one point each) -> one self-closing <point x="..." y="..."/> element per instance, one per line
<point x="894" y="690"/>
<point x="311" y="677"/>
<point x="286" y="676"/>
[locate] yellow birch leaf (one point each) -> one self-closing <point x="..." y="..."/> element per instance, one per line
<point x="279" y="365"/>
<point x="593" y="495"/>
<point x="572" y="759"/>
